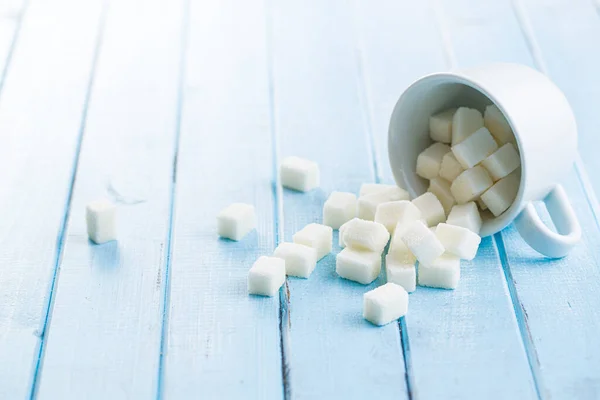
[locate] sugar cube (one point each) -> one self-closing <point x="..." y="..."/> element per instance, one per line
<point x="385" y="304"/>
<point x="502" y="162"/>
<point x="430" y="160"/>
<point x="371" y="188"/>
<point x="465" y="122"/>
<point x="443" y="272"/>
<point x="458" y="241"/>
<point x="470" y="184"/>
<point x="481" y="204"/>
<point x="401" y="272"/>
<point x="361" y="266"/>
<point x="450" y="167"/>
<point x="101" y="219"/>
<point x="465" y="215"/>
<point x="440" y="126"/>
<point x="299" y="174"/>
<point x="317" y="236"/>
<point x="422" y="242"/>
<point x="266" y="276"/>
<point x="499" y="197"/>
<point x="431" y="208"/>
<point x="399" y="250"/>
<point x="300" y="260"/>
<point x="441" y="189"/>
<point x="235" y="221"/>
<point x="367" y="204"/>
<point x="475" y="148"/>
<point x="391" y="213"/>
<point x="366" y="235"/>
<point x="498" y="125"/>
<point x="339" y="208"/>
<point x="343" y="229"/>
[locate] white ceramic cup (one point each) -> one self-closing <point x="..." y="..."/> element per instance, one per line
<point x="544" y="127"/>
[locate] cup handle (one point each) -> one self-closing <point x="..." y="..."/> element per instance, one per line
<point x="539" y="236"/>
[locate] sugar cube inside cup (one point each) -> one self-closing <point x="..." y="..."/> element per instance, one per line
<point x="430" y="160"/>
<point x="475" y="148"/>
<point x="500" y="196"/>
<point x="450" y="168"/>
<point x="441" y="189"/>
<point x="440" y="126"/>
<point x="385" y="304"/>
<point x="502" y="162"/>
<point x="465" y="122"/>
<point x="465" y="215"/>
<point x="497" y="124"/>
<point x="471" y="184"/>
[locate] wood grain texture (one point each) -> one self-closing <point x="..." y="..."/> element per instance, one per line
<point x="320" y="115"/>
<point x="468" y="338"/>
<point x="40" y="116"/>
<point x="221" y="342"/>
<point x="106" y="319"/>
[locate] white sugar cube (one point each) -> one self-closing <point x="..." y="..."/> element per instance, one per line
<point x="371" y="188"/>
<point x="367" y="205"/>
<point x="401" y="272"/>
<point x="266" y="276"/>
<point x="385" y="304"/>
<point x="101" y="219"/>
<point x="299" y="174"/>
<point x="317" y="236"/>
<point x="339" y="208"/>
<point x="430" y="160"/>
<point x="422" y="242"/>
<point x="300" y="260"/>
<point x="502" y="162"/>
<point x="343" y="229"/>
<point x="366" y="235"/>
<point x="361" y="266"/>
<point x="441" y="189"/>
<point x="235" y="221"/>
<point x="481" y="204"/>
<point x="431" y="208"/>
<point x="399" y="250"/>
<point x="475" y="148"/>
<point x="498" y="125"/>
<point x="470" y="184"/>
<point x="391" y="213"/>
<point x="499" y="197"/>
<point x="465" y="122"/>
<point x="443" y="272"/>
<point x="458" y="241"/>
<point x="465" y="215"/>
<point x="440" y="126"/>
<point x="450" y="167"/>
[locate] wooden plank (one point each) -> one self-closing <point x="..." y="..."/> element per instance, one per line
<point x="40" y="116"/>
<point x="319" y="102"/>
<point x="458" y="336"/>
<point x="104" y="337"/>
<point x="221" y="342"/>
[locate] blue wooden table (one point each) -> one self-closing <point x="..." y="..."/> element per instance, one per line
<point x="176" y="108"/>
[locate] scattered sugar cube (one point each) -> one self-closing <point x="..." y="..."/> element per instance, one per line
<point x="266" y="276"/>
<point x="399" y="250"/>
<point x="300" y="260"/>
<point x="385" y="304"/>
<point x="430" y="160"/>
<point x="465" y="122"/>
<point x="431" y="208"/>
<point x="499" y="197"/>
<point x="481" y="204"/>
<point x="339" y="208"/>
<point x="458" y="241"/>
<point x="498" y="125"/>
<point x="465" y="215"/>
<point x="299" y="174"/>
<point x="235" y="221"/>
<point x="450" y="167"/>
<point x="367" y="205"/>
<point x="422" y="242"/>
<point x="441" y="189"/>
<point x="443" y="272"/>
<point x="391" y="213"/>
<point x="343" y="229"/>
<point x="475" y="148"/>
<point x="317" y="236"/>
<point x="440" y="126"/>
<point x="361" y="266"/>
<point x="502" y="162"/>
<point x="470" y="184"/>
<point x="371" y="188"/>
<point x="401" y="272"/>
<point x="366" y="235"/>
<point x="101" y="219"/>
